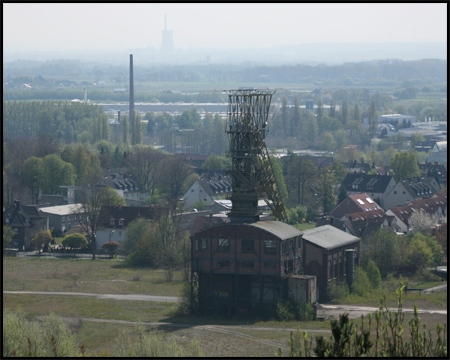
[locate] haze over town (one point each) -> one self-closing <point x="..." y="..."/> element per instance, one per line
<point x="225" y="32"/>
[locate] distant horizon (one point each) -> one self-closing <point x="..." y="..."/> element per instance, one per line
<point x="111" y="27"/>
<point x="317" y="53"/>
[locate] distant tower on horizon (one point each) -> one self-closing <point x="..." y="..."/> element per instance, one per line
<point x="167" y="38"/>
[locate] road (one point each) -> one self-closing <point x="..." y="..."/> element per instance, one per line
<point x="323" y="310"/>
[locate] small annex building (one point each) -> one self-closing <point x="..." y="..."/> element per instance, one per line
<point x="325" y="256"/>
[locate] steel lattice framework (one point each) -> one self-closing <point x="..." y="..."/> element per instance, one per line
<point x="252" y="173"/>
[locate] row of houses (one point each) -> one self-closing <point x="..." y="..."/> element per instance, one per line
<point x="360" y="215"/>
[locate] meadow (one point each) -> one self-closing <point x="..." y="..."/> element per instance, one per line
<point x="96" y="323"/>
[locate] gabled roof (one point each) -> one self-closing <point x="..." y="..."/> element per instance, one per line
<point x="215" y="185"/>
<point x="126" y="213"/>
<point x="19" y="214"/>
<point x="277" y="228"/>
<point x="328" y="237"/>
<point x="63" y="210"/>
<point x="121" y="179"/>
<point x="366" y="183"/>
<point x="362" y="202"/>
<point x="429" y="205"/>
<point x="420" y="187"/>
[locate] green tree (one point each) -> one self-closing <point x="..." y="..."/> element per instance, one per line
<point x="8" y="234"/>
<point x="372" y="119"/>
<point x="41" y="240"/>
<point x="416" y="138"/>
<point x="361" y="283"/>
<point x="356" y="113"/>
<point x="420" y="254"/>
<point x="125" y="139"/>
<point x="340" y="137"/>
<point x="423" y="252"/>
<point x="327" y="197"/>
<point x="320" y="115"/>
<point x="328" y="142"/>
<point x="136" y="230"/>
<point x="76" y="240"/>
<point x="216" y="162"/>
<point x="56" y="172"/>
<point x="344" y="113"/>
<point x="384" y="250"/>
<point x="373" y="273"/>
<point x="279" y="178"/>
<point x="404" y="165"/>
<point x="31" y="176"/>
<point x="332" y="112"/>
<point x="297" y="126"/>
<point x="284" y="113"/>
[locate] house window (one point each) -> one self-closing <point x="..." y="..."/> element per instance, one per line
<point x="111" y="222"/>
<point x="224" y="263"/>
<point x="298" y="243"/>
<point x="270" y="246"/>
<point x="201" y="245"/>
<point x="249" y="264"/>
<point x="223" y="245"/>
<point x="7" y="220"/>
<point x="248" y="246"/>
<point x="120" y="222"/>
<point x="270" y="265"/>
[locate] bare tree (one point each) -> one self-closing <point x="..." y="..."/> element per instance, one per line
<point x="172" y="178"/>
<point x="94" y="197"/>
<point x="145" y="163"/>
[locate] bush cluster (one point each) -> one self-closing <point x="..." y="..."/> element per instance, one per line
<point x="290" y="310"/>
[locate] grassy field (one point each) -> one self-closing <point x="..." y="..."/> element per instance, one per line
<point x="87" y="316"/>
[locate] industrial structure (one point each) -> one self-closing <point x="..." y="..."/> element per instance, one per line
<point x="252" y="173"/>
<point x="243" y="265"/>
<point x="167" y="39"/>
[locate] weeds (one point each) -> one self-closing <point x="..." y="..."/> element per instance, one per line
<point x="350" y="340"/>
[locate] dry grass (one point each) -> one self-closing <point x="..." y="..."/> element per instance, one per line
<point x="231" y="338"/>
<point x="102" y="277"/>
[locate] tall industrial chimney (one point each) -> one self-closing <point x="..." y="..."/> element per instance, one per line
<point x="85" y="96"/>
<point x="131" y="87"/>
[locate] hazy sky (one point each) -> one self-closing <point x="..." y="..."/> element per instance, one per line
<point x="115" y="26"/>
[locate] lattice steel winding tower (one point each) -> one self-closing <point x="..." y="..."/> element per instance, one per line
<point x="252" y="173"/>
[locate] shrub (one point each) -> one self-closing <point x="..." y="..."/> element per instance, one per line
<point x="289" y="310"/>
<point x="361" y="283"/>
<point x="350" y="340"/>
<point x="46" y="338"/>
<point x="337" y="290"/>
<point x="374" y="274"/>
<point x="138" y="343"/>
<point x="76" y="240"/>
<point x="285" y="310"/>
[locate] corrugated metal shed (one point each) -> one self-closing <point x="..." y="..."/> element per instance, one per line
<point x="328" y="237"/>
<point x="277" y="228"/>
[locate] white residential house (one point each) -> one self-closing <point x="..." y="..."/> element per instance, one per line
<point x="207" y="189"/>
<point x="411" y="189"/>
